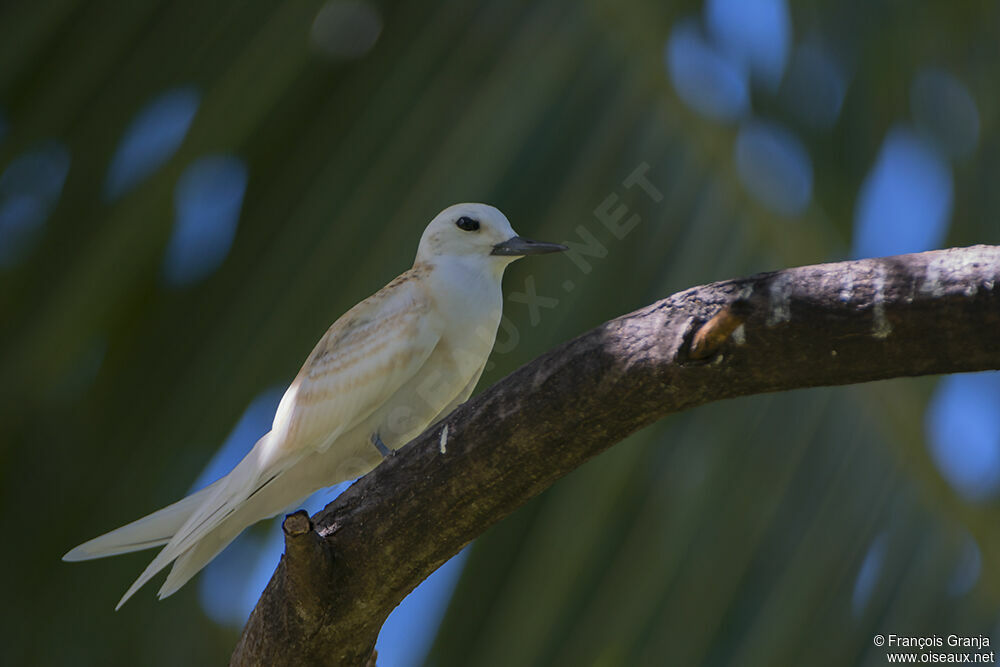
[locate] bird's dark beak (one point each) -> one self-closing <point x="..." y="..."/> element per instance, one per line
<point x="517" y="246"/>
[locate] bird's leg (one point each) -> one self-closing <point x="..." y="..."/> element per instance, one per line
<point x="381" y="446"/>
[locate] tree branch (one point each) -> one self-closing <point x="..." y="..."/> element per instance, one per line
<point x="830" y="324"/>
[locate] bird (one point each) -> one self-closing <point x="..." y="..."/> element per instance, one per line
<point x="388" y="368"/>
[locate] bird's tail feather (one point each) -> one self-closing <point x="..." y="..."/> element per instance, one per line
<point x="267" y="500"/>
<point x="150" y="531"/>
<point x="208" y="523"/>
<point x="208" y="547"/>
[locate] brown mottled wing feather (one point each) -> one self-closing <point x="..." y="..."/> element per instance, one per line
<point x="366" y="356"/>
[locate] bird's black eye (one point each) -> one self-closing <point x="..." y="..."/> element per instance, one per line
<point x="468" y="224"/>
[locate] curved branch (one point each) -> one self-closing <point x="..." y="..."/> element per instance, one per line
<point x="830" y="324"/>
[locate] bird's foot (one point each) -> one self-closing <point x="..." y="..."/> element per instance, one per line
<point x="384" y="450"/>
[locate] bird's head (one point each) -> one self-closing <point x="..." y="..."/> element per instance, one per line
<point x="477" y="230"/>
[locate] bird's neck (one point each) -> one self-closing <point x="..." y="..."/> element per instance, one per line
<point x="468" y="287"/>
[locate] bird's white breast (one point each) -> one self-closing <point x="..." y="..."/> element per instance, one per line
<point x="470" y="299"/>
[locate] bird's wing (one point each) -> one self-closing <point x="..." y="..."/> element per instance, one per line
<point x="360" y="362"/>
<point x="365" y="356"/>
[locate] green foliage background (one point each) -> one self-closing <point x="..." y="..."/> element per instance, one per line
<point x="729" y="535"/>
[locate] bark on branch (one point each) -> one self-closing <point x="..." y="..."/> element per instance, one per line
<point x="830" y="324"/>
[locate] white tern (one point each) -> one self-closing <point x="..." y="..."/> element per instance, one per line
<point x="389" y="367"/>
